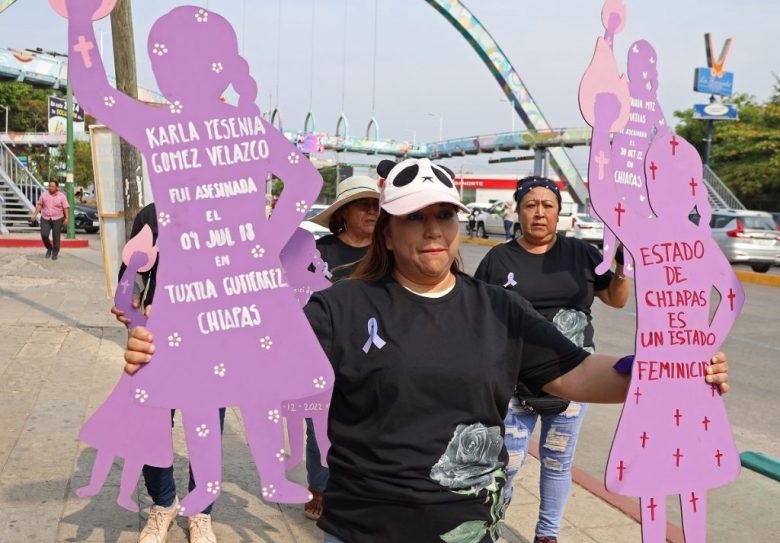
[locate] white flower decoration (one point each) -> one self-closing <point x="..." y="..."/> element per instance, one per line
<point x="266" y="343"/>
<point x="141" y="395"/>
<point x="319" y="382"/>
<point x="258" y="251"/>
<point x="109" y="101"/>
<point x="220" y="369"/>
<point x="182" y="509"/>
<point x="164" y="218"/>
<point x="269" y="491"/>
<point x="202" y="16"/>
<point x="280" y="455"/>
<point x="216" y="67"/>
<point x="176" y="107"/>
<point x="202" y="430"/>
<point x="213" y="487"/>
<point x="273" y="415"/>
<point x="174" y="340"/>
<point x="301" y="206"/>
<point x="159" y="49"/>
<point x="293" y="158"/>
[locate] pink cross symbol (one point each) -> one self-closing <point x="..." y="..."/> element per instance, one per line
<point x="637" y="394"/>
<point x="693" y="184"/>
<point x="621" y="467"/>
<point x="693" y="501"/>
<point x="718" y="456"/>
<point x="677" y="455"/>
<point x="125" y="285"/>
<point x="706" y="423"/>
<point x="677" y="417"/>
<point x="731" y="297"/>
<point x="674" y="143"/>
<point x="84" y="47"/>
<point x="619" y="209"/>
<point x="653" y="168"/>
<point x="602" y="160"/>
<point x="644" y="437"/>
<point x="652" y="507"/>
<point x="713" y="388"/>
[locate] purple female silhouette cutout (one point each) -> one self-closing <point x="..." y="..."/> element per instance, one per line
<point x="145" y="438"/>
<point x="229" y="326"/>
<point x="673" y="437"/>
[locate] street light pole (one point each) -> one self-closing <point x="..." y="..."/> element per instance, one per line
<point x="6" y="117"/>
<point x="441" y="124"/>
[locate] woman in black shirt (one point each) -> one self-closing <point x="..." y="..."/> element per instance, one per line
<point x="416" y="417"/>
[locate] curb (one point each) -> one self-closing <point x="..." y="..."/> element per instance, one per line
<point x="761" y="463"/>
<point x="38" y="243"/>
<point x="625" y="505"/>
<point x="743" y="276"/>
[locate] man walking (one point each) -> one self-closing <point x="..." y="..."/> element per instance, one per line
<point x="53" y="207"/>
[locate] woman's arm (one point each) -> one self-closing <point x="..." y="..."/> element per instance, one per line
<point x="616" y="294"/>
<point x="596" y="381"/>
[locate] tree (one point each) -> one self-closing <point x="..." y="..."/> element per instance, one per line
<point x="29" y="106"/>
<point x="746" y="153"/>
<point x="82" y="156"/>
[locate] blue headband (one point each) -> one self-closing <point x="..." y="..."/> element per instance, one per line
<point x="525" y="185"/>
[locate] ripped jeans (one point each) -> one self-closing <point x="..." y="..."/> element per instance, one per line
<point x="557" y="443"/>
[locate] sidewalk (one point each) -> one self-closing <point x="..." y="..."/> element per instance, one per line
<point x="60" y="356"/>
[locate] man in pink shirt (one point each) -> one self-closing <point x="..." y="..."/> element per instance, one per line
<point x="53" y="207"/>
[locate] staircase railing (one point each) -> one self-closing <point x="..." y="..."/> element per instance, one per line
<point x="3" y="229"/>
<point x="26" y="185"/>
<point x="720" y="191"/>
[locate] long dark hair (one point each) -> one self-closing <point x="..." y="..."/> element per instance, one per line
<point x="379" y="261"/>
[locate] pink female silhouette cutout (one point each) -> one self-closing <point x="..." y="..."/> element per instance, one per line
<point x="145" y="438"/>
<point x="673" y="437"/>
<point x="229" y="329"/>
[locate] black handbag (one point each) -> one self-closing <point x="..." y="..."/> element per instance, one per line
<point x="542" y="404"/>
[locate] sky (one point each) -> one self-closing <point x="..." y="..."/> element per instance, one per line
<point x="318" y="56"/>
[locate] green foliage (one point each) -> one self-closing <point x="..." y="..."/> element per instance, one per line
<point x="83" y="174"/>
<point x="29" y="107"/>
<point x="745" y="154"/>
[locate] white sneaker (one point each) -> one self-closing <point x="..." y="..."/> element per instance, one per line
<point x="160" y="520"/>
<point x="200" y="529"/>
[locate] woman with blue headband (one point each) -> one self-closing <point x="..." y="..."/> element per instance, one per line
<point x="557" y="275"/>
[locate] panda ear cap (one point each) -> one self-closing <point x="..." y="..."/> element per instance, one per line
<point x="384" y="167"/>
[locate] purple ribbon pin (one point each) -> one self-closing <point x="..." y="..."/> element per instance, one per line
<point x="373" y="336"/>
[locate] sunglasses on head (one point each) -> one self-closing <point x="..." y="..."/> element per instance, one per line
<point x="366" y="204"/>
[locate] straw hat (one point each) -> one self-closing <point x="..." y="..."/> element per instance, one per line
<point x="350" y="189"/>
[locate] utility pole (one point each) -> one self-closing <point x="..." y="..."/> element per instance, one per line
<point x="126" y="82"/>
<point x="69" y="160"/>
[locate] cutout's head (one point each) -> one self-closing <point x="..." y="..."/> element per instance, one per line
<point x="643" y="69"/>
<point x="413" y="184"/>
<point x="194" y="54"/>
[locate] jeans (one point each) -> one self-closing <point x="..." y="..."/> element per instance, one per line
<point x="160" y="483"/>
<point x="558" y="440"/>
<point x="508" y="228"/>
<point x="55" y="227"/>
<point x="316" y="473"/>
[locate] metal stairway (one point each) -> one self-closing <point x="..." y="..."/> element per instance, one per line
<point x="19" y="190"/>
<point x="719" y="195"/>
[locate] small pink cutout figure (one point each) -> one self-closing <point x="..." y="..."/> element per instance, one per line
<point x="673" y="437"/>
<point x="146" y="431"/>
<point x="229" y="328"/>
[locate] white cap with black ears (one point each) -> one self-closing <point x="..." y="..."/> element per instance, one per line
<point x="413" y="184"/>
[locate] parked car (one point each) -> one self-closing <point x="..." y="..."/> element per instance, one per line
<point x="84" y="217"/>
<point x="491" y="221"/>
<point x="316" y="230"/>
<point x="480" y="206"/>
<point x="747" y="237"/>
<point x="586" y="228"/>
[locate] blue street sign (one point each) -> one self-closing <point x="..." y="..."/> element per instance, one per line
<point x="715" y="112"/>
<point x="704" y="81"/>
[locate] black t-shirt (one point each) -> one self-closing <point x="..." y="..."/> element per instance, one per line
<point x="563" y="278"/>
<point x="342" y="259"/>
<point x="416" y="426"/>
<point x="146" y="217"/>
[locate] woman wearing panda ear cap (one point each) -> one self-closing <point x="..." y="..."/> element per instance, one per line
<point x="416" y="418"/>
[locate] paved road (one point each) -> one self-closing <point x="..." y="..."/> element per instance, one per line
<point x="750" y="505"/>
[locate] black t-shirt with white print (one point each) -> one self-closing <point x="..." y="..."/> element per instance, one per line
<point x="416" y="418"/>
<point x="563" y="278"/>
<point x="342" y="259"/>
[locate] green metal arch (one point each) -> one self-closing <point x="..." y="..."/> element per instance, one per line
<point x="515" y="90"/>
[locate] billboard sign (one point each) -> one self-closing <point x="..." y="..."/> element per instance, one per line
<point x="715" y="112"/>
<point x="58" y="116"/>
<point x="705" y="81"/>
